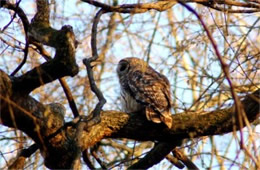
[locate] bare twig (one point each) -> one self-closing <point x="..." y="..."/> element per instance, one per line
<point x="25" y="153"/>
<point x="96" y="112"/>
<point x="174" y="161"/>
<point x="85" y="156"/>
<point x="25" y="22"/>
<point x="158" y="153"/>
<point x="223" y="9"/>
<point x="19" y="11"/>
<point x="13" y="17"/>
<point x="69" y="96"/>
<point x="184" y="159"/>
<point x="26" y="49"/>
<point x="93" y="151"/>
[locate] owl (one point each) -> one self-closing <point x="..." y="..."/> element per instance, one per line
<point x="143" y="88"/>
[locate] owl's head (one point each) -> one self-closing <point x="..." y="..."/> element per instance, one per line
<point x="125" y="64"/>
<point x="123" y="67"/>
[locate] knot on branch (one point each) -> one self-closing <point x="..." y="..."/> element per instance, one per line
<point x="53" y="118"/>
<point x="61" y="149"/>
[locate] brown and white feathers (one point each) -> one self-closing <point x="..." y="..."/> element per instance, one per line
<point x="144" y="88"/>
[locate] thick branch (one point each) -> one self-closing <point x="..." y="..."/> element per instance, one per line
<point x="116" y="124"/>
<point x="63" y="64"/>
<point x="40" y="31"/>
<point x="38" y="121"/>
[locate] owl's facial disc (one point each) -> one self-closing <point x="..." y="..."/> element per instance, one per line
<point x="123" y="67"/>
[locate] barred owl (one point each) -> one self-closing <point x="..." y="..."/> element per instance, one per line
<point x="144" y="88"/>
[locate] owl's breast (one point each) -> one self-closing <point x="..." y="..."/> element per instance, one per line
<point x="129" y="104"/>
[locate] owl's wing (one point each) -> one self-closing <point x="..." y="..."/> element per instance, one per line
<point x="152" y="90"/>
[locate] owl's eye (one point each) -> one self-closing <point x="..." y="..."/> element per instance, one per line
<point x="123" y="67"/>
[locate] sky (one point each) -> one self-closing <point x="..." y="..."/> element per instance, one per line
<point x="72" y="12"/>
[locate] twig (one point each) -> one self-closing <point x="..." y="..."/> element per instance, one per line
<point x="232" y="10"/>
<point x="174" y="161"/>
<point x="69" y="96"/>
<point x="94" y="154"/>
<point x="18" y="11"/>
<point x="26" y="49"/>
<point x="240" y="112"/>
<point x="94" y="36"/>
<point x="96" y="112"/>
<point x="13" y="17"/>
<point x="184" y="159"/>
<point x="25" y="22"/>
<point x="25" y="153"/>
<point x="86" y="159"/>
<point x="159" y="152"/>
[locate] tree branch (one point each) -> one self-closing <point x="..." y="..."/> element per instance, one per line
<point x="25" y="153"/>
<point x="159" y="152"/>
<point x="116" y="124"/>
<point x="87" y="62"/>
<point x="6" y="4"/>
<point x="31" y="117"/>
<point x="246" y="7"/>
<point x="41" y="18"/>
<point x="184" y="159"/>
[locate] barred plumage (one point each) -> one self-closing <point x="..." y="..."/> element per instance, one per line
<point x="144" y="88"/>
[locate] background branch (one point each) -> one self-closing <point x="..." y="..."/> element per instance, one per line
<point x="25" y="153"/>
<point x="225" y="68"/>
<point x="158" y="153"/>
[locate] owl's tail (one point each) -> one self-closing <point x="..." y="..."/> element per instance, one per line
<point x="166" y="118"/>
<point x="155" y="117"/>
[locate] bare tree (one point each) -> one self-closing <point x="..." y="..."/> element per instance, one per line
<point x="209" y="50"/>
